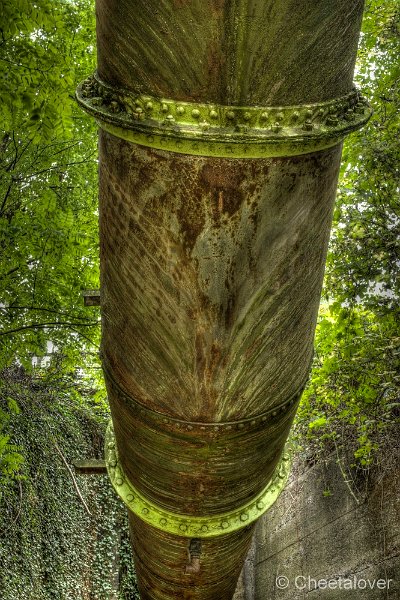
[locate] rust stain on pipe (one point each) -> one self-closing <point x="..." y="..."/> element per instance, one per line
<point x="220" y="146"/>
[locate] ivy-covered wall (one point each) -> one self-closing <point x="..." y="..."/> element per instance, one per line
<point x="50" y="547"/>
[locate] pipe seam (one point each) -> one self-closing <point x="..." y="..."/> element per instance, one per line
<point x="219" y="130"/>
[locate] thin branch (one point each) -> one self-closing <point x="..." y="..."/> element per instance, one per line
<point x="11" y="271"/>
<point x="73" y="478"/>
<point x="50" y="325"/>
<point x="344" y="475"/>
<point x="37" y="308"/>
<point x="15" y="519"/>
<point x="6" y="196"/>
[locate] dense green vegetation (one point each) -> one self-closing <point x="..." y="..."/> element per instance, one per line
<point x="352" y="403"/>
<point x="53" y="407"/>
<point x="51" y="392"/>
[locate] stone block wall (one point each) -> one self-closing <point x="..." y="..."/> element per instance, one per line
<point x="327" y="539"/>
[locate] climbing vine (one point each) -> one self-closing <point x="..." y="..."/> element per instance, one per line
<point x="50" y="546"/>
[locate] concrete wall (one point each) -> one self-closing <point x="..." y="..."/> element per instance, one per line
<point x="319" y="529"/>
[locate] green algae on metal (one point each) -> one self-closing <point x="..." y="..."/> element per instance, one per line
<point x="192" y="526"/>
<point x="219" y="130"/>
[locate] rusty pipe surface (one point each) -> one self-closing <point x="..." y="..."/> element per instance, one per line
<point x="220" y="144"/>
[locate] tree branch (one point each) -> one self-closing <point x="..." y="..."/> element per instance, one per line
<point x="50" y="325"/>
<point x="73" y="478"/>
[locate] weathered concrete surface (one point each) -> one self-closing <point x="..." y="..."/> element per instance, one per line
<point x="327" y="537"/>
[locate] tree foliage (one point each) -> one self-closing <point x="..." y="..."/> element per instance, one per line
<point x="49" y="248"/>
<point x="352" y="401"/>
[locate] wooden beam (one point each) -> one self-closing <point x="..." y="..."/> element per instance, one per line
<point x="90" y="467"/>
<point x="91" y="297"/>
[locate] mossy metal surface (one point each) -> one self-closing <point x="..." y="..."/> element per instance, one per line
<point x="192" y="526"/>
<point x="220" y="144"/>
<point x="219" y="130"/>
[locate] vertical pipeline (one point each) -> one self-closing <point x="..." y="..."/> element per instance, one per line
<point x="221" y="124"/>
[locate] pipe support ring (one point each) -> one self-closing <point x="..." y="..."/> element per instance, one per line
<point x="192" y="526"/>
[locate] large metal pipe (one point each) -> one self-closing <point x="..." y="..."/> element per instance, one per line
<point x="220" y="144"/>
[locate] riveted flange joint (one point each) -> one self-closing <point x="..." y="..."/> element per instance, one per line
<point x="224" y="131"/>
<point x="188" y="525"/>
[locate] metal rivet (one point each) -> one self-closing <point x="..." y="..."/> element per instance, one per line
<point x="170" y="117"/>
<point x="260" y="505"/>
<point x="114" y="106"/>
<point x="216" y="428"/>
<point x="230" y="114"/>
<point x="164" y="108"/>
<point x="183" y="527"/>
<point x="274" y="413"/>
<point x="264" y="116"/>
<point x="202" y="428"/>
<point x="224" y="524"/>
<point x="241" y="425"/>
<point x="229" y="427"/>
<point x="213" y="114"/>
<point x="264" y="418"/>
<point x="244" y="517"/>
<point x="247" y="116"/>
<point x="163" y="521"/>
<point x="149" y="105"/>
<point x="253" y="423"/>
<point x="279" y="116"/>
<point x="150" y="138"/>
<point x="189" y="427"/>
<point x="130" y="498"/>
<point x="139" y="110"/>
<point x="145" y="511"/>
<point x="180" y="110"/>
<point x="118" y="481"/>
<point x="195" y="113"/>
<point x="204" y="528"/>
